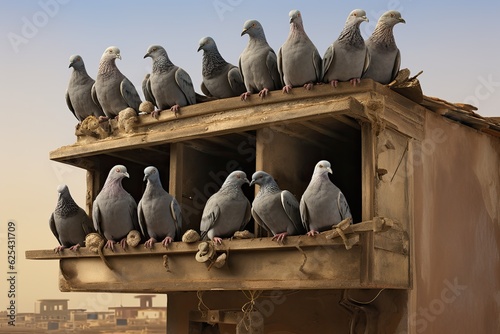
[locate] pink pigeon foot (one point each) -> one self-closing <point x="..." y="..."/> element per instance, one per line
<point x="334" y="83"/>
<point x="287" y="89"/>
<point x="59" y="249"/>
<point x="175" y="109"/>
<point x="245" y="96"/>
<point x="312" y="233"/>
<point x="355" y="81"/>
<point x="167" y="241"/>
<point x="123" y="243"/>
<point x="308" y="85"/>
<point x="155" y="113"/>
<point x="280" y="237"/>
<point x="149" y="243"/>
<point x="103" y="119"/>
<point x="263" y="93"/>
<point x="217" y="240"/>
<point x="75" y="248"/>
<point x="110" y="244"/>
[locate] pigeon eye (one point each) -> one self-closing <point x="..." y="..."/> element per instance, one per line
<point x="355" y="14"/>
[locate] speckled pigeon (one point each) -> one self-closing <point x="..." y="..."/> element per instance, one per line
<point x="258" y="62"/>
<point x="159" y="213"/>
<point x="347" y="58"/>
<point x="220" y="78"/>
<point x="112" y="90"/>
<point x="69" y="223"/>
<point x="385" y="57"/>
<point x="169" y="85"/>
<point x="114" y="211"/>
<point x="323" y="204"/>
<point x="276" y="210"/>
<point x="226" y="211"/>
<point x="299" y="62"/>
<point x="78" y="94"/>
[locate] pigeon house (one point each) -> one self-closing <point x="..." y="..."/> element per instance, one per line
<point x="421" y="177"/>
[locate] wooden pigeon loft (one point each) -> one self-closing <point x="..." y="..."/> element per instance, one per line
<point x="367" y="132"/>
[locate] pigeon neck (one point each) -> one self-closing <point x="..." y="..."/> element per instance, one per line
<point x="66" y="206"/>
<point x="351" y="34"/>
<point x="107" y="66"/>
<point x="212" y="62"/>
<point x="270" y="187"/>
<point x="383" y="34"/>
<point x="113" y="186"/>
<point x="162" y="64"/>
<point x="297" y="28"/>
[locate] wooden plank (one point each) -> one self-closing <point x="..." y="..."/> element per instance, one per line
<point x="239" y="120"/>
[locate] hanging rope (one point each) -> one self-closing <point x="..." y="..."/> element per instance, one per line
<point x="249" y="306"/>
<point x="203" y="312"/>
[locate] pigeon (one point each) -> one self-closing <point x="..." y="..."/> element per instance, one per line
<point x="322" y="205"/>
<point x="226" y="211"/>
<point x="112" y="90"/>
<point x="158" y="212"/>
<point x="299" y="62"/>
<point x="114" y="210"/>
<point x="78" y="94"/>
<point x="347" y="58"/>
<point x="385" y="58"/>
<point x="276" y="210"/>
<point x="69" y="223"/>
<point x="220" y="78"/>
<point x="258" y="62"/>
<point x="169" y="85"/>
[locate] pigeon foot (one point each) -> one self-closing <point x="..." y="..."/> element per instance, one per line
<point x="308" y="85"/>
<point x="245" y="96"/>
<point x="75" y="248"/>
<point x="280" y="237"/>
<point x="150" y="243"/>
<point x="334" y="83"/>
<point x="287" y="89"/>
<point x="263" y="93"/>
<point x="312" y="233"/>
<point x="217" y="240"/>
<point x="355" y="81"/>
<point x="167" y="241"/>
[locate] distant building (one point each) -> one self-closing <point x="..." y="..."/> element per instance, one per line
<point x="52" y="309"/>
<point x="144" y="312"/>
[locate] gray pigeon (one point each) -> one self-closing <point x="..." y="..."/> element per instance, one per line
<point x="226" y="211"/>
<point x="385" y="58"/>
<point x="159" y="213"/>
<point x="323" y="204"/>
<point x="78" y="94"/>
<point x="69" y="223"/>
<point x="220" y="78"/>
<point x="112" y="90"/>
<point x="299" y="62"/>
<point x="347" y="58"/>
<point x="276" y="210"/>
<point x="114" y="210"/>
<point x="169" y="85"/>
<point x="258" y="62"/>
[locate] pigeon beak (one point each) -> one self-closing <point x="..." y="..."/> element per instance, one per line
<point x="365" y="19"/>
<point x="118" y="56"/>
<point x="201" y="46"/>
<point x="246" y="180"/>
<point x="70" y="65"/>
<point x="329" y="170"/>
<point x="126" y="175"/>
<point x="401" y="20"/>
<point x="145" y="177"/>
<point x="252" y="183"/>
<point x="146" y="55"/>
<point x="245" y="31"/>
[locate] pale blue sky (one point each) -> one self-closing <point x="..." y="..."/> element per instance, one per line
<point x="455" y="43"/>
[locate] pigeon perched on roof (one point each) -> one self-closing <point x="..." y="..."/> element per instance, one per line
<point x="220" y="78"/>
<point x="385" y="57"/>
<point x="299" y="62"/>
<point x="78" y="94"/>
<point x="69" y="223"/>
<point x="159" y="213"/>
<point x="258" y="62"/>
<point x="112" y="90"/>
<point x="169" y="85"/>
<point x="347" y="58"/>
<point x="114" y="211"/>
<point x="323" y="204"/>
<point x="226" y="211"/>
<point x="276" y="210"/>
